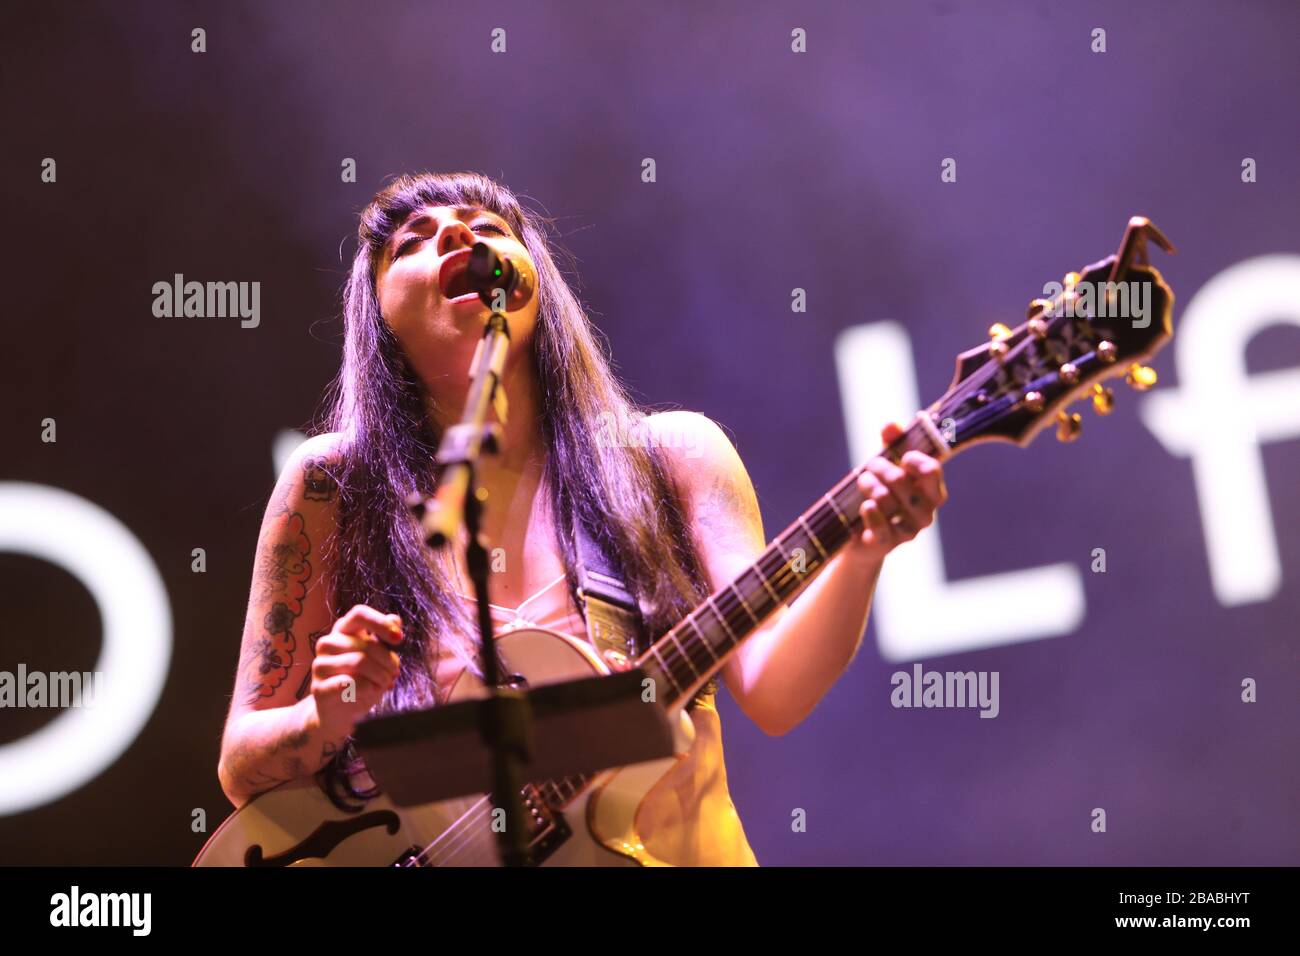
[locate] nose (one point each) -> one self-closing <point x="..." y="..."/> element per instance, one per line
<point x="455" y="234"/>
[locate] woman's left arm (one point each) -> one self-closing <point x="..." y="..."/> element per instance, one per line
<point x="779" y="674"/>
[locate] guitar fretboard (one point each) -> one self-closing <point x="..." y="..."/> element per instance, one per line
<point x="684" y="659"/>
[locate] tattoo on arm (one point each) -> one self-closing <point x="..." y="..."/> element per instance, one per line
<point x="729" y="514"/>
<point x="280" y="578"/>
<point x="318" y="483"/>
<point x="290" y="767"/>
<point x="312" y="638"/>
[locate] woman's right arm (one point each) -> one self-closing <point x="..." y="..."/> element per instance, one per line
<point x="304" y="679"/>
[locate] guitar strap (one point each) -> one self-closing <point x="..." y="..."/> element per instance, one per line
<point x="614" y="623"/>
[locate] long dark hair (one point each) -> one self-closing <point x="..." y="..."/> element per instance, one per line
<point x="380" y="409"/>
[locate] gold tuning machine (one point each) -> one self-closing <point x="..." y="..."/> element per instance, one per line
<point x="1140" y="377"/>
<point x="998" y="335"/>
<point x="1103" y="399"/>
<point x="1068" y="426"/>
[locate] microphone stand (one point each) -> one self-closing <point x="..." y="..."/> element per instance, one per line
<point x="457" y="499"/>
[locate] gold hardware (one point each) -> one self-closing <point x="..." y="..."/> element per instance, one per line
<point x="1033" y="401"/>
<point x="998" y="349"/>
<point x="1103" y="399"/>
<point x="1069" y="373"/>
<point x="1140" y="377"/>
<point x="1039" y="305"/>
<point x="998" y="331"/>
<point x="1107" y="352"/>
<point x="1068" y="426"/>
<point x="1071" y="280"/>
<point x="1038" y="328"/>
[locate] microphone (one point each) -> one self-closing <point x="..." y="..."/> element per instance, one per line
<point x="487" y="271"/>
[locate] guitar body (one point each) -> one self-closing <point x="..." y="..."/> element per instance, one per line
<point x="296" y="824"/>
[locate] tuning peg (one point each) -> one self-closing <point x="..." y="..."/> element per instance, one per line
<point x="998" y="335"/>
<point x="1103" y="399"/>
<point x="1071" y="280"/>
<point x="1107" y="352"/>
<point x="1140" y="377"/>
<point x="1033" y="401"/>
<point x="1069" y="373"/>
<point x="1037" y="327"/>
<point x="1068" y="426"/>
<point x="1038" y="305"/>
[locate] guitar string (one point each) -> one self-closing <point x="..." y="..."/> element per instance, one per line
<point x="427" y="856"/>
<point x="450" y="843"/>
<point x="463" y="830"/>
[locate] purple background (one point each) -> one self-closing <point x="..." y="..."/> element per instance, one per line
<point x="774" y="171"/>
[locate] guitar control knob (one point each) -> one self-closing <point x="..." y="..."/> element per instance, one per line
<point x="1103" y="400"/>
<point x="1140" y="377"/>
<point x="1068" y="426"/>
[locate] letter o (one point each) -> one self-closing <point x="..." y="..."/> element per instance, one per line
<point x="92" y="545"/>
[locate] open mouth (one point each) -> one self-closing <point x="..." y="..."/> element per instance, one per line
<point x="458" y="285"/>
<point x="453" y="278"/>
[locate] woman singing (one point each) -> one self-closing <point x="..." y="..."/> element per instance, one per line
<point x="346" y="595"/>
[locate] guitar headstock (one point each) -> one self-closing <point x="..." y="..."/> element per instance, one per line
<point x="1095" y="325"/>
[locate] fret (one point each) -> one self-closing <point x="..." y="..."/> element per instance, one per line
<point x="672" y="636"/>
<point x="810" y="564"/>
<point x="726" y="603"/>
<point x="836" y="508"/>
<point x="814" y="537"/>
<point x="783" y="562"/>
<point x="776" y="598"/>
<point x="778" y="550"/>
<point x="667" y="671"/>
<point x="667" y="651"/>
<point x="721" y="617"/>
<point x="743" y="603"/>
<point x="703" y="644"/>
<point x="832" y="532"/>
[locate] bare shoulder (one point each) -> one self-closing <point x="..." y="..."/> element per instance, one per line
<point x="310" y="473"/>
<point x="715" y="485"/>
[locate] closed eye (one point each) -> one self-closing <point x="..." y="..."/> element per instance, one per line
<point x="411" y="240"/>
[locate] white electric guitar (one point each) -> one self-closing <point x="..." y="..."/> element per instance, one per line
<point x="1006" y="390"/>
